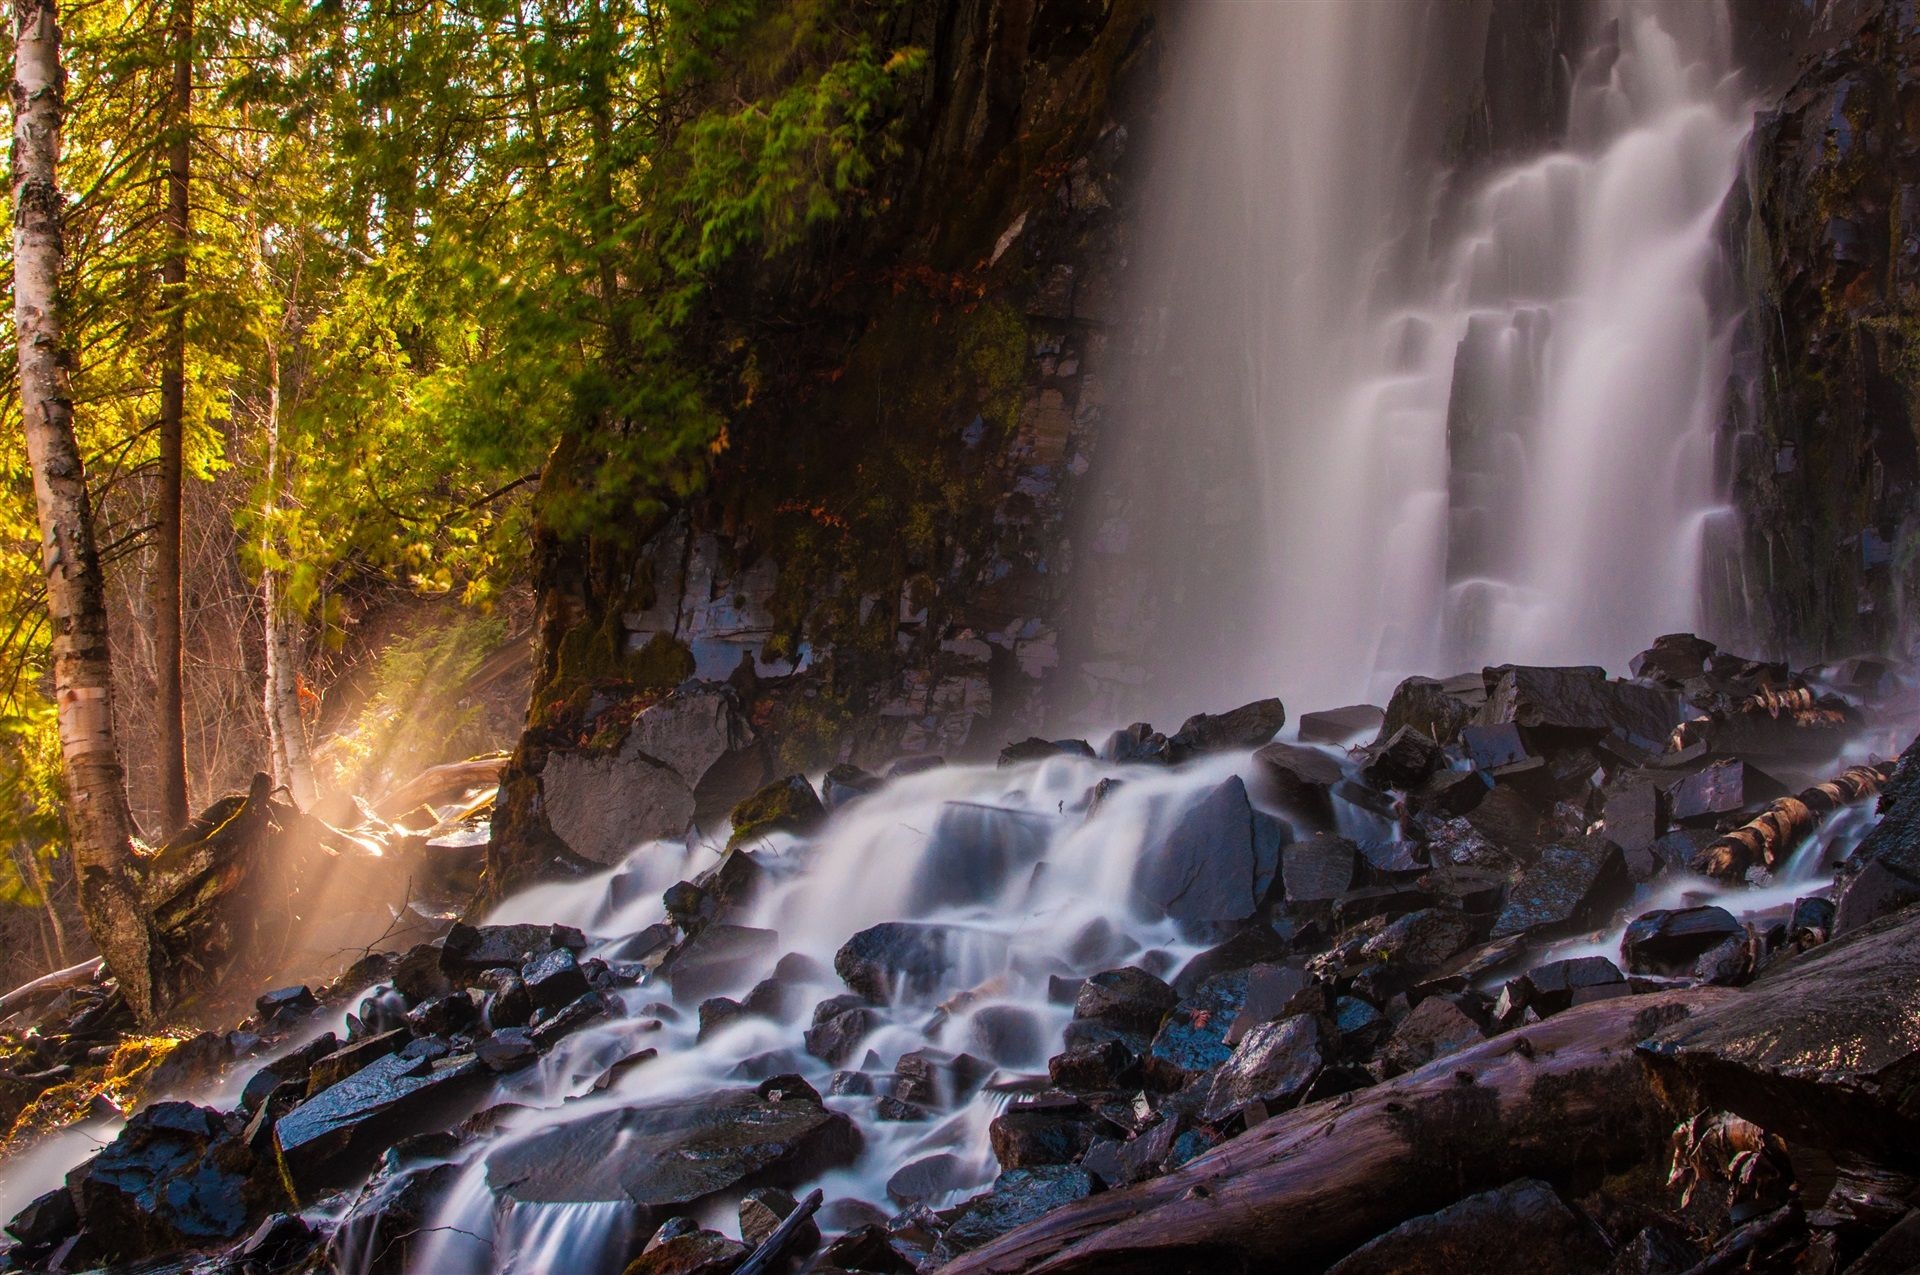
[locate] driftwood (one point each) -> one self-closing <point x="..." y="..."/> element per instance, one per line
<point x="1772" y="834"/>
<point x="1566" y="1098"/>
<point x="762" y="1259"/>
<point x="440" y="782"/>
<point x="49" y="985"/>
<point x="1798" y="706"/>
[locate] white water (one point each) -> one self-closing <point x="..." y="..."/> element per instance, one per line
<point x="1400" y="427"/>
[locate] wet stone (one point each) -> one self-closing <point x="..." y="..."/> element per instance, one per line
<point x="1018" y="1196"/>
<point x="717" y="958"/>
<point x="1248" y="726"/>
<point x="1338" y="725"/>
<point x="332" y="1068"/>
<point x="1571" y="885"/>
<point x="1420" y="940"/>
<point x="866" y="1248"/>
<point x="1582" y="701"/>
<point x="443" y="1015"/>
<point x="469" y="949"/>
<point x="928" y="1178"/>
<point x="846" y="783"/>
<point x="787" y="805"/>
<point x="1089" y="1068"/>
<point x="1521" y="1226"/>
<point x="1724" y="788"/>
<point x="899" y="959"/>
<point x="1489" y="747"/>
<point x="1209" y="868"/>
<point x="1404" y="760"/>
<point x="973" y="851"/>
<point x="1193" y="1038"/>
<point x="161" y="1184"/>
<point x="1139" y="744"/>
<point x="1438" y="710"/>
<point x="295" y="1000"/>
<point x="1033" y="749"/>
<point x="1550" y="988"/>
<point x="1670" y="941"/>
<point x="47" y="1220"/>
<point x="339" y="1133"/>
<point x="554" y="979"/>
<point x="508" y="1049"/>
<point x="1318" y="869"/>
<point x="1273" y="1065"/>
<point x="1126" y="1000"/>
<point x="763" y="1209"/>
<point x="1030" y="1133"/>
<point x="1438" y="1026"/>
<point x="694" y="1253"/>
<point x="835" y="1040"/>
<point x="1007" y="1034"/>
<point x="1300" y="779"/>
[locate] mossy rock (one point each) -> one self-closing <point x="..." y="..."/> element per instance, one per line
<point x="786" y="805"/>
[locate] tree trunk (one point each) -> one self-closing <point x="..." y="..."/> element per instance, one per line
<point x="97" y="816"/>
<point x="168" y="611"/>
<point x="286" y="733"/>
<point x="1566" y="1100"/>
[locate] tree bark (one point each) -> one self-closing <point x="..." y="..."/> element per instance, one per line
<point x="286" y="732"/>
<point x="1305" y="1188"/>
<point x="168" y="608"/>
<point x="98" y="819"/>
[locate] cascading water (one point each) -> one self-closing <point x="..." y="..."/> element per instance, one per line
<point x="1384" y="417"/>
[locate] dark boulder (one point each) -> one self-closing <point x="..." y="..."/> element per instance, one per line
<point x="1572" y="885"/>
<point x="1126" y="1000"/>
<point x="1210" y="868"/>
<point x="296" y="1001"/>
<point x="786" y="805"/>
<point x="468" y="950"/>
<point x="1421" y="940"/>
<point x="1048" y="1129"/>
<point x="1820" y="1050"/>
<point x="667" y="1158"/>
<point x="174" y="1178"/>
<point x="295" y="1065"/>
<point x="1521" y="1226"/>
<point x="927" y="1178"/>
<point x="1193" y="1039"/>
<point x="761" y="1212"/>
<point x="1553" y="705"/>
<point x="507" y="1002"/>
<point x="973" y="851"/>
<point x="692" y="1253"/>
<point x="1256" y="944"/>
<point x="332" y="1068"/>
<point x="443" y="1015"/>
<point x="1095" y="1067"/>
<point x="1490" y="747"/>
<point x="1248" y="726"/>
<point x="1724" y="788"/>
<point x="1438" y="1026"/>
<point x="1670" y="941"/>
<point x="1882" y="875"/>
<point x="902" y="959"/>
<point x="1319" y="869"/>
<point x="47" y="1220"/>
<point x="389" y="1219"/>
<point x="1273" y="1065"/>
<point x="718" y="958"/>
<point x="340" y="1132"/>
<point x="846" y="783"/>
<point x="554" y="979"/>
<point x="1032" y="749"/>
<point x="1559" y="985"/>
<point x="1340" y="725"/>
<point x="1300" y="779"/>
<point x="1404" y="760"/>
<point x="1018" y="1196"/>
<point x="1138" y="744"/>
<point x="865" y="1248"/>
<point x="834" y="1040"/>
<point x="1436" y="709"/>
<point x="1007" y="1034"/>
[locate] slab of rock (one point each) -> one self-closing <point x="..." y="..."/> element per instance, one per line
<point x="1338" y="725"/>
<point x="1248" y="726"/>
<point x="603" y="804"/>
<point x="1272" y="1065"/>
<point x="1669" y="941"/>
<point x="717" y="958"/>
<point x="1209" y="868"/>
<point x="1571" y="886"/>
<point x="1035" y="749"/>
<point x="1423" y="939"/>
<point x="339" y="1134"/>
<point x="1193" y="1039"/>
<point x="667" y="1158"/>
<point x="1403" y="760"/>
<point x="330" y="1069"/>
<point x="1490" y="747"/>
<point x="1724" y="788"/>
<point x="1521" y="1226"/>
<point x="1558" y="985"/>
<point x="928" y="1178"/>
<point x="1438" y="710"/>
<point x="1438" y="1026"/>
<point x="1126" y="1000"/>
<point x="1822" y="1049"/>
<point x="1044" y="1130"/>
<point x="1300" y="779"/>
<point x="1583" y="701"/>
<point x="1018" y="1196"/>
<point x="470" y="950"/>
<point x="1319" y="869"/>
<point x="693" y="1253"/>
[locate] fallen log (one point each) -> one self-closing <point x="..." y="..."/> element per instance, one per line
<point x="1564" y="1099"/>
<point x="1773" y="834"/>
<point x="453" y="779"/>
<point x="49" y="985"/>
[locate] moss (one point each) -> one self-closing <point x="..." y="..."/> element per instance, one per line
<point x="787" y="805"/>
<point x="121" y="1080"/>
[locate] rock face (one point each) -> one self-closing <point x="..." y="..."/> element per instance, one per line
<point x="602" y="805"/>
<point x="666" y="1159"/>
<point x="1823" y="1050"/>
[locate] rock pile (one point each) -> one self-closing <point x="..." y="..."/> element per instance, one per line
<point x="1400" y="1030"/>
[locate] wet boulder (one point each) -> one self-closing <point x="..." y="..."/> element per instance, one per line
<point x="1129" y="1001"/>
<point x="905" y="960"/>
<point x="935" y="1078"/>
<point x="1193" y="1039"/>
<point x="174" y="1178"/>
<point x="1491" y="747"/>
<point x="1319" y="869"/>
<point x="1820" y="1050"/>
<point x="1437" y="709"/>
<point x="443" y="1015"/>
<point x="47" y="1220"/>
<point x="973" y="852"/>
<point x="1272" y="1066"/>
<point x="1248" y="726"/>
<point x="694" y="1252"/>
<point x="1670" y="941"/>
<point x="554" y="979"/>
<point x="470" y="950"/>
<point x="1008" y="1034"/>
<point x="1044" y="1129"/>
<point x="295" y="1065"/>
<point x="1255" y="944"/>
<point x="1339" y="725"/>
<point x="1033" y="749"/>
<point x="390" y="1219"/>
<point x="340" y="1132"/>
<point x="667" y="1158"/>
<point x="1209" y="868"/>
<point x="761" y="1212"/>
<point x="1423" y="939"/>
<point x="603" y="803"/>
<point x="717" y="958"/>
<point x="1018" y="1197"/>
<point x="508" y="1049"/>
<point x="837" y="1037"/>
<point x="846" y="783"/>
<point x="1138" y="744"/>
<point x="1404" y="760"/>
<point x="507" y="1003"/>
<point x="1558" y="705"/>
<point x="787" y="805"/>
<point x="1438" y="1026"/>
<point x="1095" y="1067"/>
<point x="1521" y="1226"/>
<point x="1560" y="985"/>
<point x="1882" y="874"/>
<point x="1724" y="788"/>
<point x="1300" y="779"/>
<point x="333" y="1067"/>
<point x="1571" y="886"/>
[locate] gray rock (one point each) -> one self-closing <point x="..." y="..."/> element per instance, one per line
<point x="902" y="959"/>
<point x="1018" y="1197"/>
<point x="338" y="1134"/>
<point x="1670" y="941"/>
<point x="1273" y="1065"/>
<point x="1248" y="726"/>
<point x="1207" y="869"/>
<point x="1569" y="887"/>
<point x="1438" y="1026"/>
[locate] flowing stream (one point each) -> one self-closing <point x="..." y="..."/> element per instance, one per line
<point x="1385" y="416"/>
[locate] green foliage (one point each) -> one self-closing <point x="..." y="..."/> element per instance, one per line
<point x="31" y="824"/>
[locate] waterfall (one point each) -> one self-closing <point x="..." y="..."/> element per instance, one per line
<point x="1386" y="414"/>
